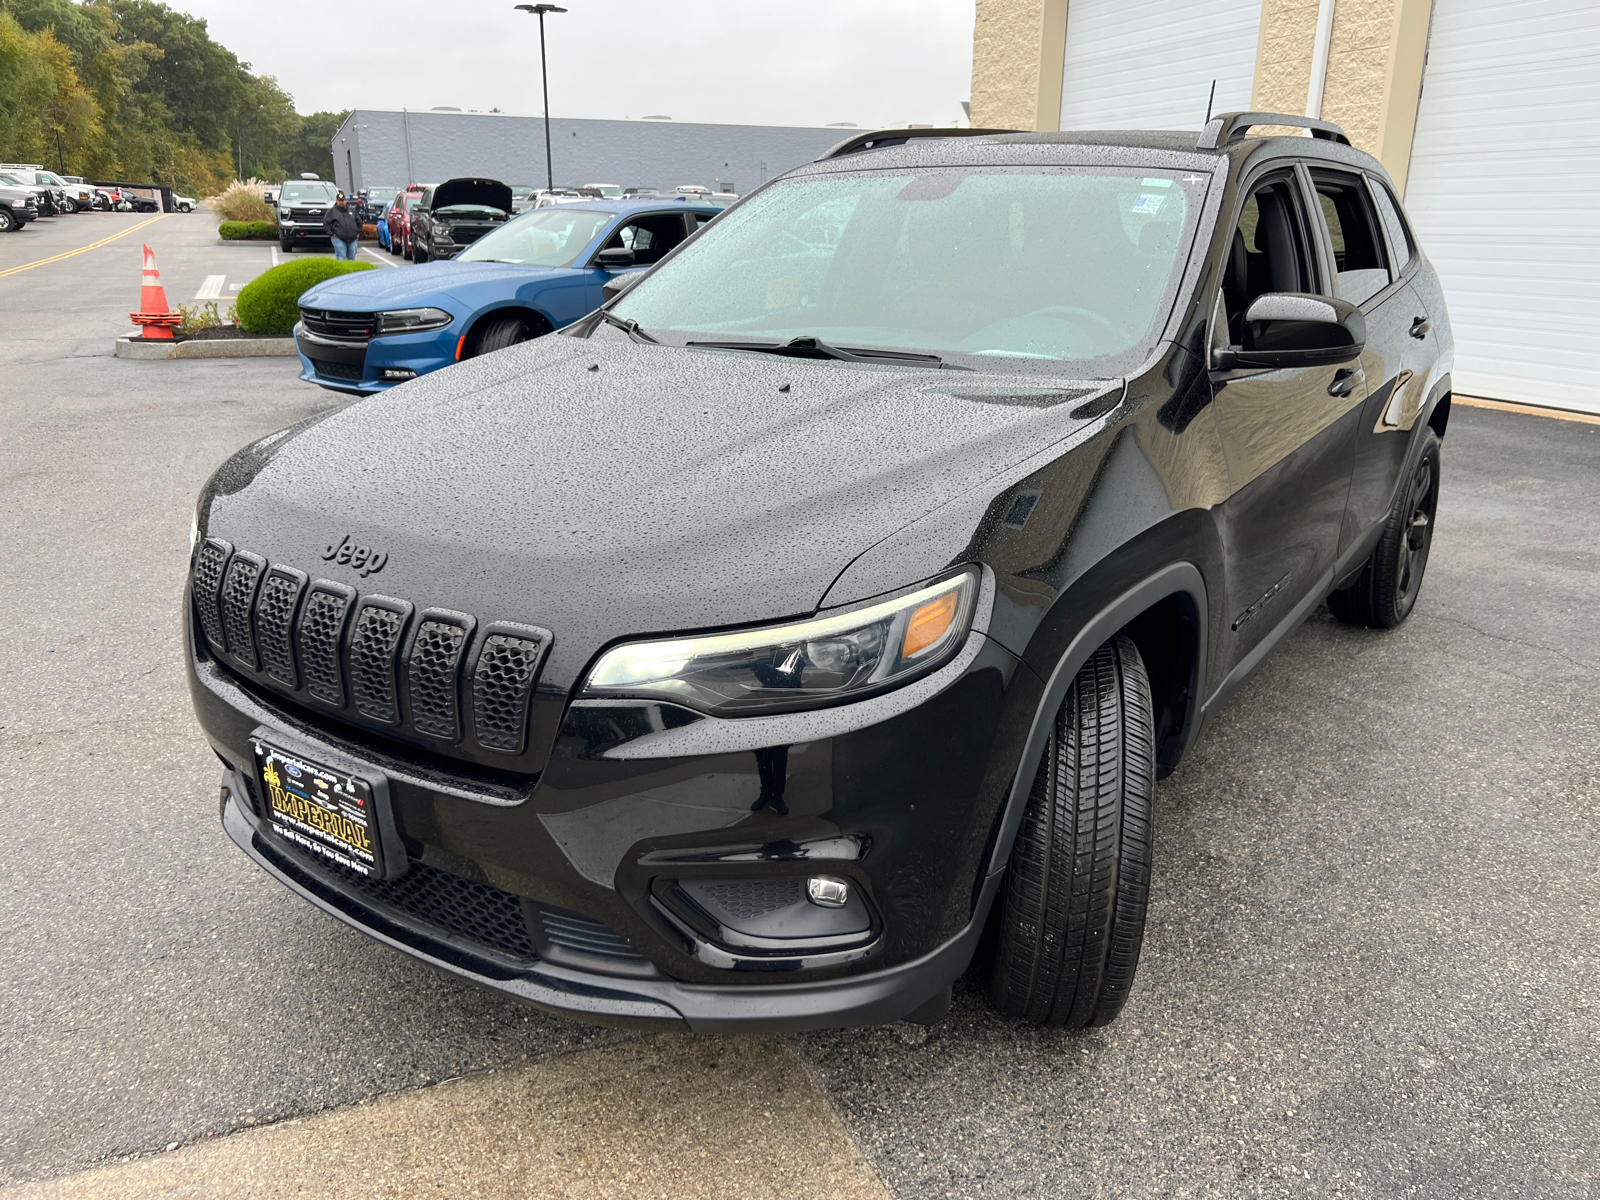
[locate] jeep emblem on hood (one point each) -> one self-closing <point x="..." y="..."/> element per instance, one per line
<point x="362" y="558"/>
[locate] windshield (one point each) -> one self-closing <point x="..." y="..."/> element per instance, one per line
<point x="545" y="237"/>
<point x="306" y="193"/>
<point x="1062" y="264"/>
<point x="380" y="195"/>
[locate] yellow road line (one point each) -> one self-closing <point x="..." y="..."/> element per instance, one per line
<point x="83" y="249"/>
<point x="1527" y="410"/>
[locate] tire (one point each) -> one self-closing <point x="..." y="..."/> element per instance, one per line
<point x="69" y="205"/>
<point x="418" y="254"/>
<point x="7" y="221"/>
<point x="502" y="332"/>
<point x="406" y="249"/>
<point x="1072" y="918"/>
<point x="286" y="245"/>
<point x="1385" y="592"/>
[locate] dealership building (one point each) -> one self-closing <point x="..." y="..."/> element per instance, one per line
<point x="1486" y="113"/>
<point x="392" y="149"/>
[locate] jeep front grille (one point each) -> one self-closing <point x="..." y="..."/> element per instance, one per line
<point x="369" y="656"/>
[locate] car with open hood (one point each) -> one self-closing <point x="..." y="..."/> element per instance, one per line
<point x="816" y="619"/>
<point x="542" y="270"/>
<point x="450" y="216"/>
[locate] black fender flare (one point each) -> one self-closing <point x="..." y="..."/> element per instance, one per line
<point x="1176" y="578"/>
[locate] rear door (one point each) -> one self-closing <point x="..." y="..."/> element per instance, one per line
<point x="1354" y="241"/>
<point x="1288" y="433"/>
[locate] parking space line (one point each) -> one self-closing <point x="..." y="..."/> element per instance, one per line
<point x="211" y="289"/>
<point x="83" y="249"/>
<point x="1527" y="410"/>
<point x="275" y="258"/>
<point x="381" y="259"/>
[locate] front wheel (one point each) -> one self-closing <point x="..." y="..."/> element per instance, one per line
<point x="7" y="221"/>
<point x="286" y="245"/>
<point x="1385" y="592"/>
<point x="506" y="331"/>
<point x="69" y="205"/>
<point x="1072" y="921"/>
<point x="418" y="254"/>
<point x="407" y="250"/>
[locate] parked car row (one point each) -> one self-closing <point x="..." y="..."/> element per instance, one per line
<point x="53" y="195"/>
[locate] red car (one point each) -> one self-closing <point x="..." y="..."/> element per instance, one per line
<point x="399" y="219"/>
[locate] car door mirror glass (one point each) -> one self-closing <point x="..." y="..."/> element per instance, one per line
<point x="1296" y="329"/>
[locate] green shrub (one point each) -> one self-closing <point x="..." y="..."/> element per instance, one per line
<point x="263" y="229"/>
<point x="270" y="304"/>
<point x="201" y="316"/>
<point x="234" y="231"/>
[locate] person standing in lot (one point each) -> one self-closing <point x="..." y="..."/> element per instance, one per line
<point x="343" y="228"/>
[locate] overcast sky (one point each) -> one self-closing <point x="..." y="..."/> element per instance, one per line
<point x="758" y="62"/>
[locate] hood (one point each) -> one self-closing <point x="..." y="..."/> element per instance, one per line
<point x="489" y="192"/>
<point x="603" y="489"/>
<point x="366" y="291"/>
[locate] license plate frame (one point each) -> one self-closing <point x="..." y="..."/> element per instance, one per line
<point x="335" y="812"/>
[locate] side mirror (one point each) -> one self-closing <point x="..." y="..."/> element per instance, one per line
<point x="618" y="258"/>
<point x="272" y="200"/>
<point x="612" y="288"/>
<point x="1295" y="329"/>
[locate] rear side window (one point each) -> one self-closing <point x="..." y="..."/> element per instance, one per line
<point x="1402" y="249"/>
<point x="1361" y="264"/>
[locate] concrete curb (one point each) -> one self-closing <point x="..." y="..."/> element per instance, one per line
<point x="132" y="347"/>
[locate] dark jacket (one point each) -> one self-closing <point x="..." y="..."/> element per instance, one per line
<point x="341" y="223"/>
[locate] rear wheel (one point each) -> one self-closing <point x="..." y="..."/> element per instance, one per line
<point x="1072" y="921"/>
<point x="1385" y="592"/>
<point x="407" y="249"/>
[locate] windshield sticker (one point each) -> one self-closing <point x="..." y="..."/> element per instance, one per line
<point x="1148" y="204"/>
<point x="784" y="293"/>
<point x="1155" y="183"/>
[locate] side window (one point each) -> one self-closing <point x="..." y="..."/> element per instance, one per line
<point x="701" y="220"/>
<point x="1269" y="251"/>
<point x="1401" y="247"/>
<point x="649" y="237"/>
<point x="1360" y="263"/>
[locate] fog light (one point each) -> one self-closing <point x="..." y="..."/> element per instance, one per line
<point x="828" y="890"/>
<point x="398" y="373"/>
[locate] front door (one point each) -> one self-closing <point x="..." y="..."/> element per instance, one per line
<point x="1288" y="433"/>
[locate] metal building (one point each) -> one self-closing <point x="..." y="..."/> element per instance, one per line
<point x="391" y="149"/>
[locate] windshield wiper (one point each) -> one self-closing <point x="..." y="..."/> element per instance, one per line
<point x="631" y="328"/>
<point x="812" y="347"/>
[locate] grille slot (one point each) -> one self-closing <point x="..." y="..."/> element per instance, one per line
<point x="321" y="631"/>
<point x="457" y="907"/>
<point x="338" y="370"/>
<point x="507" y="667"/>
<point x="433" y="670"/>
<point x="208" y="567"/>
<point x="238" y="597"/>
<point x="373" y="641"/>
<point x="275" y="611"/>
<point x="582" y="935"/>
<point x="347" y="326"/>
<point x="750" y="897"/>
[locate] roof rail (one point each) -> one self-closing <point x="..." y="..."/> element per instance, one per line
<point x="1225" y="129"/>
<point x="881" y="139"/>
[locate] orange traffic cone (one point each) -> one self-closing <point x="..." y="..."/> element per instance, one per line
<point x="153" y="313"/>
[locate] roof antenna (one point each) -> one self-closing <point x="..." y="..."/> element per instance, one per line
<point x="1210" y="100"/>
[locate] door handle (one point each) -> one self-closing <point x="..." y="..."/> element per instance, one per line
<point x="1345" y="380"/>
<point x="1420" y="327"/>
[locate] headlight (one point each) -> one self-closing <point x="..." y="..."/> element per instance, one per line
<point x="442" y="233"/>
<point x="412" y="320"/>
<point x="807" y="664"/>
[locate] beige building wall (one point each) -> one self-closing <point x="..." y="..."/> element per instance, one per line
<point x="1018" y="48"/>
<point x="1373" y="83"/>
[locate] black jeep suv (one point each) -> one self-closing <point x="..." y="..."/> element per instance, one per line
<point x="824" y="608"/>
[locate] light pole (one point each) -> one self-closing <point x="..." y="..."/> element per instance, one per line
<point x="544" y="79"/>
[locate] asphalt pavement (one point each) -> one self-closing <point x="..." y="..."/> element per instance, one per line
<point x="1371" y="967"/>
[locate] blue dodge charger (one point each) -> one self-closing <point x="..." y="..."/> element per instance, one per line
<point x="370" y="330"/>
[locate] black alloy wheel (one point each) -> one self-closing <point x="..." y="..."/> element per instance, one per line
<point x="1385" y="592"/>
<point x="503" y="332"/>
<point x="1072" y="921"/>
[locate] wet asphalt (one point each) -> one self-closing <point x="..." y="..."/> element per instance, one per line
<point x="1371" y="967"/>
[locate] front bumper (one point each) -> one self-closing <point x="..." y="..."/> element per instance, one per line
<point x="359" y="368"/>
<point x="304" y="233"/>
<point x="905" y="807"/>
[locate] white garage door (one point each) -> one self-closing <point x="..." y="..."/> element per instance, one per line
<point x="1504" y="189"/>
<point x="1148" y="64"/>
